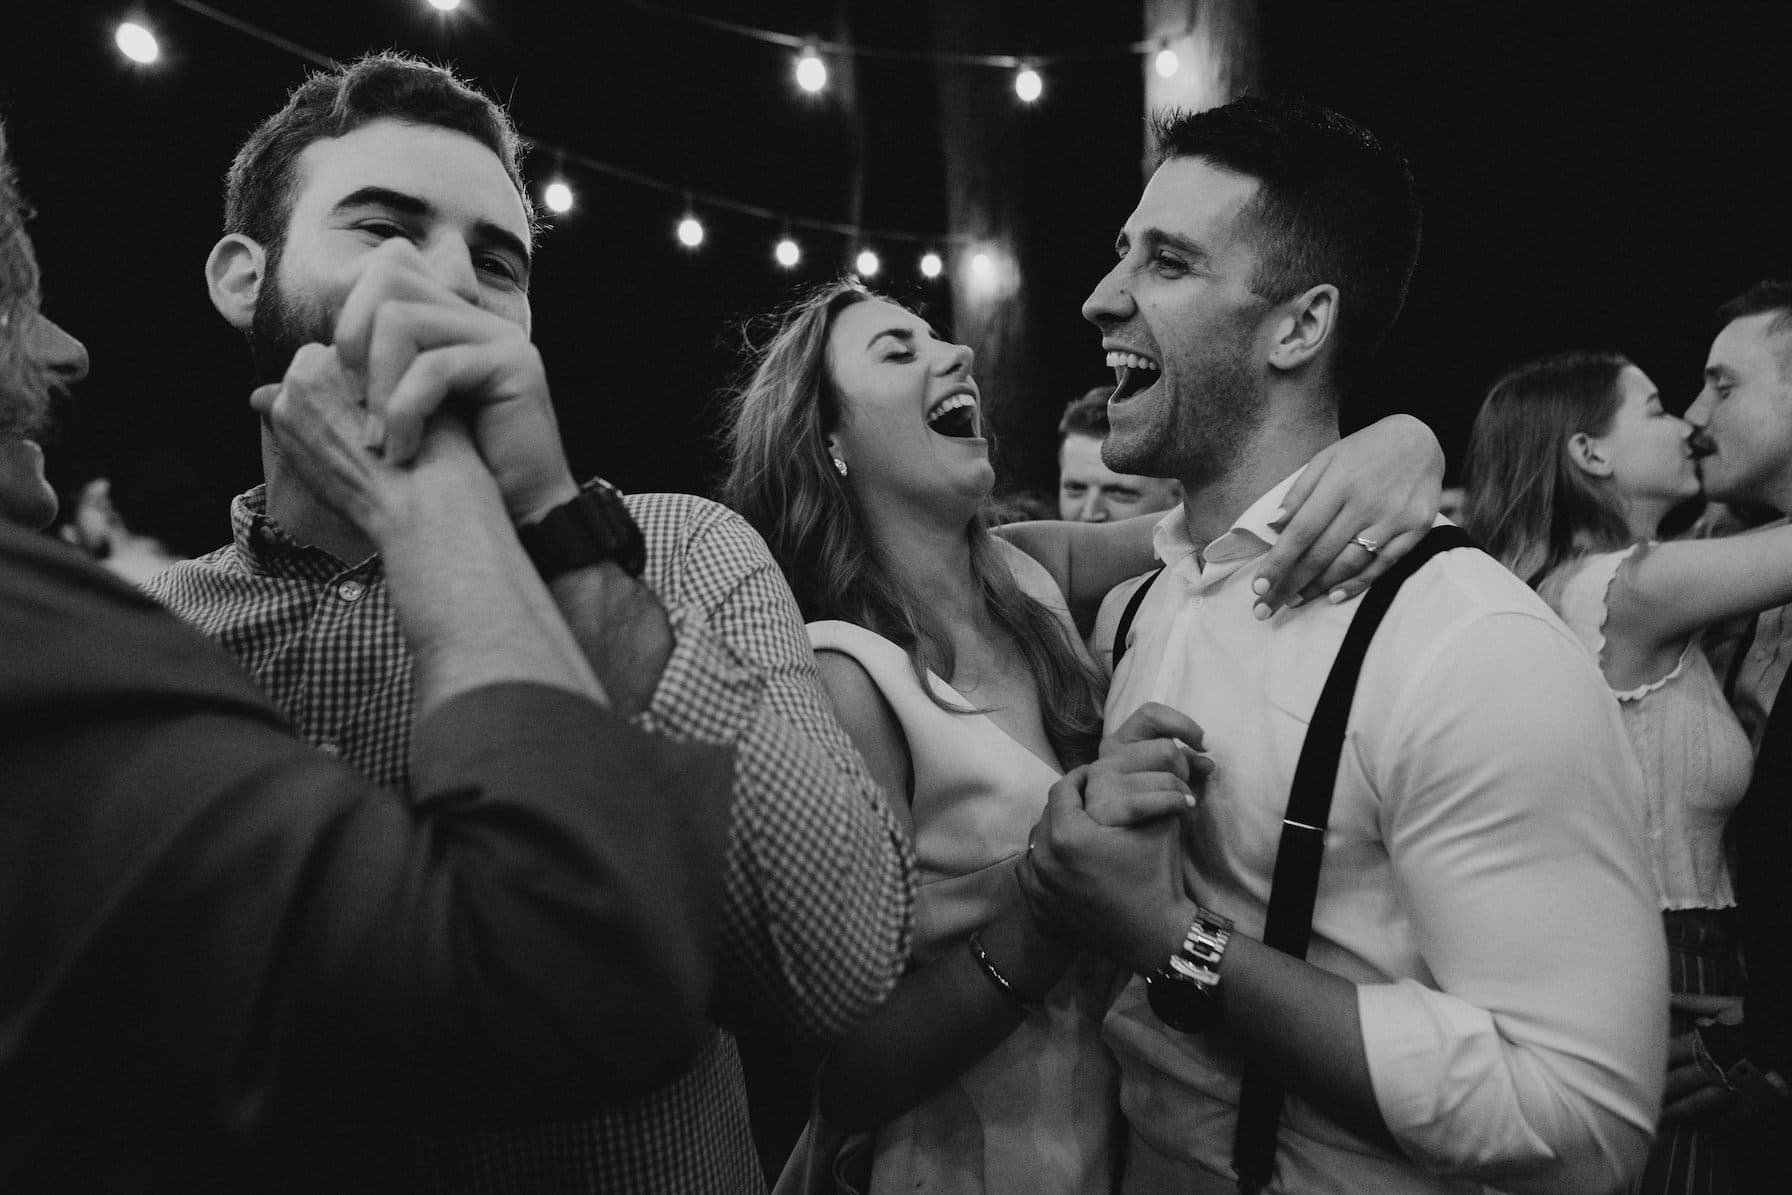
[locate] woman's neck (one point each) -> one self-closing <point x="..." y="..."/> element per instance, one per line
<point x="932" y="561"/>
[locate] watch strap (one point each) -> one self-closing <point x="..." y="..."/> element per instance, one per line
<point x="591" y="528"/>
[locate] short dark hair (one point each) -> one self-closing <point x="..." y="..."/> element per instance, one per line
<point x="258" y="191"/>
<point x="1086" y="416"/>
<point x="1335" y="205"/>
<point x="1770" y="294"/>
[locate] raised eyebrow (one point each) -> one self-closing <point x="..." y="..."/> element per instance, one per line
<point x="384" y="197"/>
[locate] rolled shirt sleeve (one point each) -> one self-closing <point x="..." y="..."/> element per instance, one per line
<point x="819" y="882"/>
<point x="1535" y="1061"/>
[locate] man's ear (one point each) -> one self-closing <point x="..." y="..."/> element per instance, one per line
<point x="233" y="274"/>
<point x="1587" y="455"/>
<point x="1304" y="328"/>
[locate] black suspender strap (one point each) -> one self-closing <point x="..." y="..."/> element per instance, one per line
<point x="1126" y="617"/>
<point x="1289" y="926"/>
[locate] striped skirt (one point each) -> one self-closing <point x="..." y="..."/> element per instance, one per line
<point x="1703" y="960"/>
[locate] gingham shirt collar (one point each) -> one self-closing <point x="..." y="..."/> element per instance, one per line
<point x="266" y="549"/>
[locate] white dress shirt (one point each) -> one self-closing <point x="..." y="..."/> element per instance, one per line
<point x="1484" y="881"/>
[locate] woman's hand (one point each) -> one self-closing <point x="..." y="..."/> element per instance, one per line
<point x="1149" y="767"/>
<point x="1384" y="485"/>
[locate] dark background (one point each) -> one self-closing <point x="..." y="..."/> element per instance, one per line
<point x="1596" y="175"/>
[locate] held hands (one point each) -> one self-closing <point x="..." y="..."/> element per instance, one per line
<point x="417" y="344"/>
<point x="317" y="420"/>
<point x="1383" y="484"/>
<point x="1104" y="865"/>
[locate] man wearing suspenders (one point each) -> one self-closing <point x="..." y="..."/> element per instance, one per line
<point x="1406" y="942"/>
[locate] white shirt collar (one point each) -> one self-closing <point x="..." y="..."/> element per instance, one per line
<point x="1249" y="537"/>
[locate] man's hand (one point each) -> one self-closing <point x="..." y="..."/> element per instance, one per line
<point x="417" y="345"/>
<point x="317" y="420"/>
<point x="1697" y="1093"/>
<point x="1384" y="483"/>
<point x="1115" y="890"/>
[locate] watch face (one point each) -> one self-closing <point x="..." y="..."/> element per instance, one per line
<point x="1181" y="1005"/>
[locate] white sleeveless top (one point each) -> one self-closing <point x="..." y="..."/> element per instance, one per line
<point x="1695" y="757"/>
<point x="1039" y="1114"/>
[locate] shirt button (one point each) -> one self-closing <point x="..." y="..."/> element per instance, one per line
<point x="1761" y="653"/>
<point x="1197" y="603"/>
<point x="330" y="747"/>
<point x="350" y="591"/>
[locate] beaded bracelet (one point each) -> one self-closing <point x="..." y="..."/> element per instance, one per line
<point x="1000" y="980"/>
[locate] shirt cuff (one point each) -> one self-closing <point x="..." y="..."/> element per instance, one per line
<point x="1435" y="1062"/>
<point x="707" y="693"/>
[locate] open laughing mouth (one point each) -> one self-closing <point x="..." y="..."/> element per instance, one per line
<point x="1133" y="373"/>
<point x="957" y="415"/>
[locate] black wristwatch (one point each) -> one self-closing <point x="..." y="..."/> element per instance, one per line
<point x="589" y="529"/>
<point x="1185" y="992"/>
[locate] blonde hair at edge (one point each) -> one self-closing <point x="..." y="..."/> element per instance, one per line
<point x="1527" y="502"/>
<point x="782" y="479"/>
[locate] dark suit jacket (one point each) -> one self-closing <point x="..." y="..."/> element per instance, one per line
<point x="213" y="937"/>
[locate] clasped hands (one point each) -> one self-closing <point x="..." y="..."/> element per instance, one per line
<point x="417" y="376"/>
<point x="1104" y="866"/>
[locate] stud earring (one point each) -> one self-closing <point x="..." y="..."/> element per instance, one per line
<point x="840" y="466"/>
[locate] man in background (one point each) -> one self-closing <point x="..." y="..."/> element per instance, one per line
<point x="1089" y="491"/>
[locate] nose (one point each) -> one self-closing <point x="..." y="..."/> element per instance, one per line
<point x="1699" y="414"/>
<point x="61" y="357"/>
<point x="1095" y="509"/>
<point x="957" y="358"/>
<point x="451" y="261"/>
<point x="1109" y="302"/>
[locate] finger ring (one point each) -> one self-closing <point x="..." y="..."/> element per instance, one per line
<point x="1030" y="834"/>
<point x="1368" y="545"/>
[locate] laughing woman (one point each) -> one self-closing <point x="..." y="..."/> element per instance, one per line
<point x="857" y="449"/>
<point x="1573" y="464"/>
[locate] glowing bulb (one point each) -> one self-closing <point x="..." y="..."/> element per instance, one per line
<point x="787" y="253"/>
<point x="558" y="196"/>
<point x="981" y="265"/>
<point x="1166" y="63"/>
<point x="137" y="43"/>
<point x="444" y="5"/>
<point x="1028" y="85"/>
<point x="811" y="71"/>
<point x="867" y="263"/>
<point x="931" y="265"/>
<point x="690" y="232"/>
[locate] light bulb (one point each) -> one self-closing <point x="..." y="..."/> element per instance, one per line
<point x="931" y="265"/>
<point x="867" y="263"/>
<point x="690" y="232"/>
<point x="787" y="253"/>
<point x="1028" y="85"/>
<point x="558" y="196"/>
<point x="137" y="43"/>
<point x="811" y="71"/>
<point x="981" y="265"/>
<point x="1166" y="63"/>
<point x="444" y="5"/>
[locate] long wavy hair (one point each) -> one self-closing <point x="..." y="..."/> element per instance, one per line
<point x="1526" y="501"/>
<point x="781" y="478"/>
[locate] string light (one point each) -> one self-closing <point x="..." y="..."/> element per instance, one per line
<point x="787" y="254"/>
<point x="137" y="43"/>
<point x="931" y="265"/>
<point x="811" y="71"/>
<point x="1028" y="85"/>
<point x="981" y="265"/>
<point x="866" y="263"/>
<point x="1166" y="63"/>
<point x="444" y="5"/>
<point x="690" y="232"/>
<point x="558" y="196"/>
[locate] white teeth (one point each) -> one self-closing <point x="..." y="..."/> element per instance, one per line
<point x="1119" y="360"/>
<point x="948" y="405"/>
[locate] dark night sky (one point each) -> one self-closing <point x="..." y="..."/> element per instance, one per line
<point x="1596" y="175"/>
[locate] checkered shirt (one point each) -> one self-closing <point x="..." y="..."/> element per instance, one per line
<point x="819" y="885"/>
